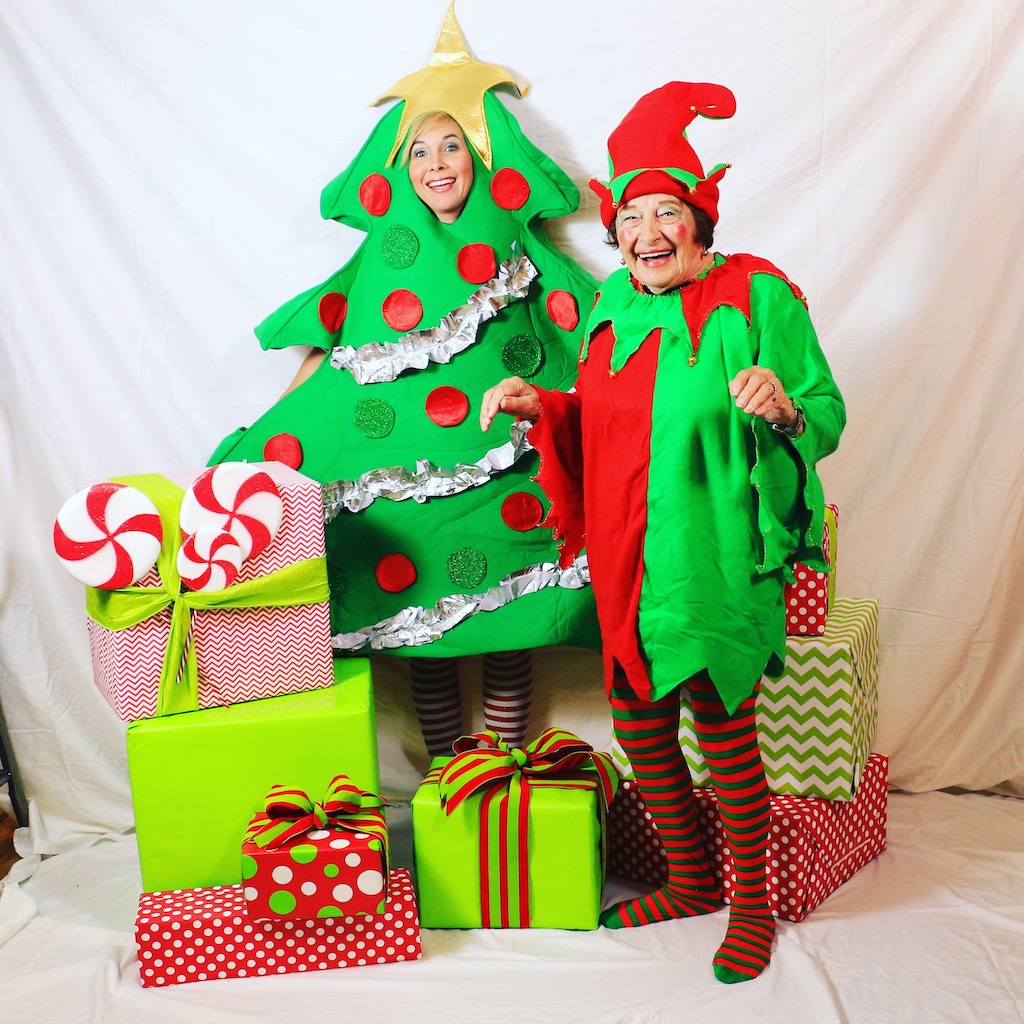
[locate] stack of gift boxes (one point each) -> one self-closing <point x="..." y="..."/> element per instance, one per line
<point x="253" y="757"/>
<point x="252" y="753"/>
<point x="816" y="726"/>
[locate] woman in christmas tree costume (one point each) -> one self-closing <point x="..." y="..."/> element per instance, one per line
<point x="433" y="543"/>
<point x="441" y="172"/>
<point x="685" y="458"/>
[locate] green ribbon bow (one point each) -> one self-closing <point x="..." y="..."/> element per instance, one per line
<point x="301" y="583"/>
<point x="503" y="776"/>
<point x="290" y="813"/>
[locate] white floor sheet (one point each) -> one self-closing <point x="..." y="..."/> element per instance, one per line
<point x="931" y="931"/>
<point x="159" y="196"/>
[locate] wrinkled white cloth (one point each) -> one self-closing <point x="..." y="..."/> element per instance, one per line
<point x="932" y="930"/>
<point x="16" y="908"/>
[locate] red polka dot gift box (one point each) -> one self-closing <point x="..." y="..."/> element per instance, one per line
<point x="206" y="934"/>
<point x="316" y="859"/>
<point x="814" y="845"/>
<point x="232" y="607"/>
<point x="809" y="598"/>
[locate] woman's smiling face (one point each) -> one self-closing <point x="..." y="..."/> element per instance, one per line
<point x="656" y="236"/>
<point x="441" y="167"/>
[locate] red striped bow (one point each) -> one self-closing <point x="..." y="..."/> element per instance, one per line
<point x="484" y="759"/>
<point x="290" y="813"/>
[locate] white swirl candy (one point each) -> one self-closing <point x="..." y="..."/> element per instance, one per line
<point x="108" y="535"/>
<point x="237" y="498"/>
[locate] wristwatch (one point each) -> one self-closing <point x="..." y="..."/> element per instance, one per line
<point x="795" y="429"/>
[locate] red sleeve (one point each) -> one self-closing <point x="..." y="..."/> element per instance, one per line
<point x="558" y="439"/>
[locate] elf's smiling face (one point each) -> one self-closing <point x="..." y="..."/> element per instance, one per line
<point x="656" y="236"/>
<point x="441" y="167"/>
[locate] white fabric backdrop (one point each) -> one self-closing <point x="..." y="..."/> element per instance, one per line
<point x="159" y="195"/>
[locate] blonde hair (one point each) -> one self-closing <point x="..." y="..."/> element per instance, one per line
<point x="424" y="121"/>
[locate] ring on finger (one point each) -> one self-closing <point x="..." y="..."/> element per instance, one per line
<point x="775" y="387"/>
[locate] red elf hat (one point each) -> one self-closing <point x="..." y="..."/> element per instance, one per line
<point x="649" y="151"/>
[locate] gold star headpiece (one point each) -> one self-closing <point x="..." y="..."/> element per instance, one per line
<point x="453" y="82"/>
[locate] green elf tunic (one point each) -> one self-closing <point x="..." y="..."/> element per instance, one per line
<point x="690" y="509"/>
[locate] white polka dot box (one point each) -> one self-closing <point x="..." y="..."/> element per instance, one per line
<point x="809" y="598"/>
<point x="207" y="934"/>
<point x="325" y="873"/>
<point x="236" y="535"/>
<point x="814" y="845"/>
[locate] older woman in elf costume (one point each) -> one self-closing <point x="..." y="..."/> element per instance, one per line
<point x="685" y="460"/>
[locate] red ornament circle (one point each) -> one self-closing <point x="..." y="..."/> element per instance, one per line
<point x="332" y="309"/>
<point x="395" y="572"/>
<point x="509" y="189"/>
<point x="522" y="511"/>
<point x="283" y="448"/>
<point x="447" y="406"/>
<point x="375" y="194"/>
<point x="477" y="263"/>
<point x="402" y="310"/>
<point x="563" y="309"/>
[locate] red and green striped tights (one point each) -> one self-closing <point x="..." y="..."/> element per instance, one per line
<point x="649" y="736"/>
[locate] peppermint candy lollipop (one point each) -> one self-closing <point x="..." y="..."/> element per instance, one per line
<point x="209" y="559"/>
<point x="108" y="535"/>
<point x="237" y="498"/>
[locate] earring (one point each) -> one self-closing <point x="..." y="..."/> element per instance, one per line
<point x="622" y="260"/>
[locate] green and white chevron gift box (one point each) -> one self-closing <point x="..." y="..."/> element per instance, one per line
<point x="816" y="722"/>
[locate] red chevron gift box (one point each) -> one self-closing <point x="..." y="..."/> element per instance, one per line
<point x="204" y="934"/>
<point x="814" y="845"/>
<point x="236" y="606"/>
<point x="809" y="597"/>
<point x="513" y="838"/>
<point x="306" y="859"/>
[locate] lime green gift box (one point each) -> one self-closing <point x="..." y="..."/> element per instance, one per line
<point x="198" y="778"/>
<point x="560" y="841"/>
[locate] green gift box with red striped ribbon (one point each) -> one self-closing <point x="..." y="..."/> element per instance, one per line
<point x="513" y="838"/>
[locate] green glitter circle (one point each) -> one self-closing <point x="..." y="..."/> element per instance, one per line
<point x="399" y="247"/>
<point x="336" y="576"/>
<point x="281" y="902"/>
<point x="304" y="853"/>
<point x="467" y="567"/>
<point x="374" y="418"/>
<point x="249" y="866"/>
<point x="330" y="912"/>
<point x="331" y="870"/>
<point x="521" y="355"/>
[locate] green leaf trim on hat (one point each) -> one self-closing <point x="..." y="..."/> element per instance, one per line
<point x="618" y="185"/>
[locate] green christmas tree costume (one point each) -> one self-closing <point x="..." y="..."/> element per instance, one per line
<point x="433" y="539"/>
